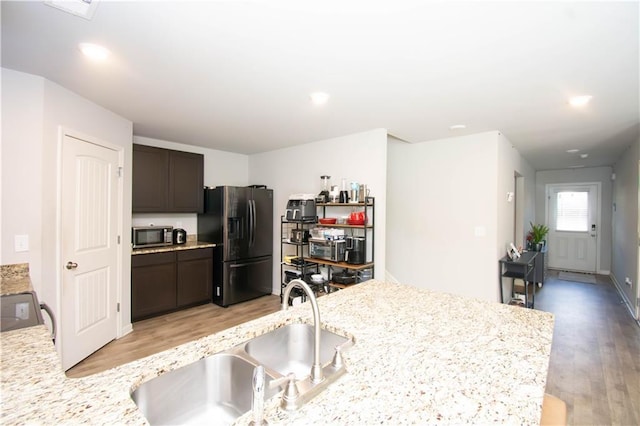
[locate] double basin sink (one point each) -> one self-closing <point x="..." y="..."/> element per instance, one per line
<point x="219" y="389"/>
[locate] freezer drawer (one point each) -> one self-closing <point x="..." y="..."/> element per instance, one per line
<point x="244" y="280"/>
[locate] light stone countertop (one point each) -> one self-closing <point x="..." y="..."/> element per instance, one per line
<point x="420" y="358"/>
<point x="14" y="279"/>
<point x="189" y="245"/>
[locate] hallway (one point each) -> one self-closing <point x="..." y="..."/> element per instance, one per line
<point x="595" y="356"/>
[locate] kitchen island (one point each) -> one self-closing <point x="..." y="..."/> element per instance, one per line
<point x="420" y="358"/>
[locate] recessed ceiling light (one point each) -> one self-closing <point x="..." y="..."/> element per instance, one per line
<point x="572" y="151"/>
<point x="584" y="155"/>
<point x="458" y="127"/>
<point x="580" y="101"/>
<point x="319" y="98"/>
<point x="94" y="51"/>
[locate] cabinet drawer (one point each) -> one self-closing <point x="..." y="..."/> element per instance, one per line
<point x="152" y="259"/>
<point x="195" y="254"/>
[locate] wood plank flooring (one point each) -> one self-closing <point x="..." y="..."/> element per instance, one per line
<point x="594" y="366"/>
<point x="595" y="355"/>
<point x="167" y="331"/>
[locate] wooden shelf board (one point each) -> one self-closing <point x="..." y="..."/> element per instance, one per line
<point x="342" y="264"/>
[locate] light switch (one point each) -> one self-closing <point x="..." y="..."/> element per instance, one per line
<point x="21" y="243"/>
<point x="480" y="231"/>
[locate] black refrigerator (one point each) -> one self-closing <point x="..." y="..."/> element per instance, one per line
<point x="240" y="221"/>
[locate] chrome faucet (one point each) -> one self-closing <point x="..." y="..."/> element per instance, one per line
<point x="257" y="400"/>
<point x="317" y="375"/>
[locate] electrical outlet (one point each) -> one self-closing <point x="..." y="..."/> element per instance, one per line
<point x="627" y="281"/>
<point x="22" y="310"/>
<point x="21" y="243"/>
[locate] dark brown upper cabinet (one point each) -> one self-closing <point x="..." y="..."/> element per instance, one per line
<point x="165" y="180"/>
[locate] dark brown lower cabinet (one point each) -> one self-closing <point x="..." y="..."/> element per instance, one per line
<point x="195" y="276"/>
<point x="166" y="282"/>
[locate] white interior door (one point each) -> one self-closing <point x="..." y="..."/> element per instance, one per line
<point x="89" y="202"/>
<point x="573" y="227"/>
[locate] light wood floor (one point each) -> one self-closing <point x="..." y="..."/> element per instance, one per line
<point x="595" y="355"/>
<point x="164" y="332"/>
<point x="595" y="359"/>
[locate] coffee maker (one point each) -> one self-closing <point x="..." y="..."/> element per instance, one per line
<point x="355" y="252"/>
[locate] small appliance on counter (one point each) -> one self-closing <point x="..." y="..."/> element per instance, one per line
<point x="299" y="235"/>
<point x="179" y="236"/>
<point x="301" y="208"/>
<point x="333" y="250"/>
<point x="151" y="236"/>
<point x="355" y="250"/>
<point x="323" y="196"/>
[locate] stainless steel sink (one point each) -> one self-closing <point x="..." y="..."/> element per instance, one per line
<point x="213" y="390"/>
<point x="218" y="389"/>
<point x="290" y="348"/>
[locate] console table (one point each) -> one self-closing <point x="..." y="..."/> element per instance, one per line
<point x="523" y="268"/>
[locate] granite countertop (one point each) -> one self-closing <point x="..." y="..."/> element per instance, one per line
<point x="420" y="358"/>
<point x="189" y="245"/>
<point x="14" y="279"/>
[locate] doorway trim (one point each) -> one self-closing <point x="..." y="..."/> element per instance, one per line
<point x="547" y="194"/>
<point x="62" y="132"/>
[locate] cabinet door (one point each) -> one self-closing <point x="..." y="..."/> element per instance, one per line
<point x="195" y="276"/>
<point x="150" y="179"/>
<point x="153" y="284"/>
<point x="186" y="181"/>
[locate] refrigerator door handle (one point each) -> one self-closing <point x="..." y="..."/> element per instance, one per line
<point x="253" y="216"/>
<point x="249" y="222"/>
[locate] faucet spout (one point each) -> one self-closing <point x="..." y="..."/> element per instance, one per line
<point x="316" y="369"/>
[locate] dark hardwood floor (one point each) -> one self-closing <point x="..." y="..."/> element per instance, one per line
<point x="594" y="366"/>
<point x="595" y="355"/>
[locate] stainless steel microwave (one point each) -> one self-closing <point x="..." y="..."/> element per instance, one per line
<point x="151" y="236"/>
<point x="332" y="250"/>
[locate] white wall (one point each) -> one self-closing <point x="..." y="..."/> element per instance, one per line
<point x="361" y="157"/>
<point x="22" y="120"/>
<point x="220" y="168"/>
<point x="439" y="194"/>
<point x="589" y="174"/>
<point x="35" y="125"/>
<point x="626" y="229"/>
<point x="509" y="163"/>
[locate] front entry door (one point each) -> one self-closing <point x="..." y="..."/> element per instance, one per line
<point x="89" y="230"/>
<point x="573" y="227"/>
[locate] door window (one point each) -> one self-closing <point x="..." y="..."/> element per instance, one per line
<point x="572" y="213"/>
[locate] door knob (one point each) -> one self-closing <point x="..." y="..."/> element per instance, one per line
<point x="71" y="265"/>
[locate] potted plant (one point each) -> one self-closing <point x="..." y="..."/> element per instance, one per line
<point x="536" y="236"/>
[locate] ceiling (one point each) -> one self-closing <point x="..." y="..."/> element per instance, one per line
<point x="236" y="75"/>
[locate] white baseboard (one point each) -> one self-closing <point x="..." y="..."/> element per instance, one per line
<point x="390" y="278"/>
<point x="603" y="272"/>
<point x="125" y="330"/>
<point x="624" y="297"/>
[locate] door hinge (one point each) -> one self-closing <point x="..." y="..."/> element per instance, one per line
<point x="120" y="172"/>
<point x="118" y="307"/>
<point x="118" y="239"/>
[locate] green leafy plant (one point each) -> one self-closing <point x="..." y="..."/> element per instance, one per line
<point x="538" y="233"/>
